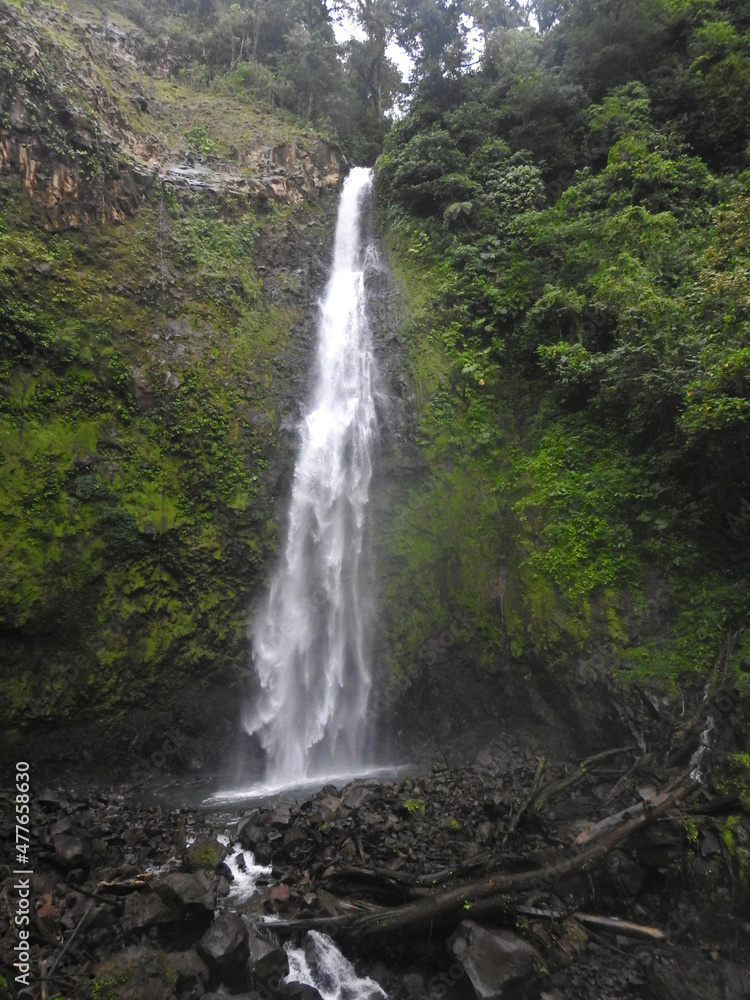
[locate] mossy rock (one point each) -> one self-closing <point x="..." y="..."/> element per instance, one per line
<point x="204" y="853"/>
<point x="135" y="974"/>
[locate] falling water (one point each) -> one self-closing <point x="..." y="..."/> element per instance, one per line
<point x="310" y="642"/>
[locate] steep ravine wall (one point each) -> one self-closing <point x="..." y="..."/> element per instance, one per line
<point x="156" y="324"/>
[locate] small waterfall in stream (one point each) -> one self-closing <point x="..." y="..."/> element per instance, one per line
<point x="310" y="643"/>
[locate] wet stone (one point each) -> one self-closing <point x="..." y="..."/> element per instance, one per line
<point x="190" y="968"/>
<point x="494" y="960"/>
<point x="145" y="909"/>
<point x="225" y="942"/>
<point x="191" y="894"/>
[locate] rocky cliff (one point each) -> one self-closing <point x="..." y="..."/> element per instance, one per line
<point x="162" y="250"/>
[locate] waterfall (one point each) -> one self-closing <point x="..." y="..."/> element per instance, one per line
<point x="310" y="643"/>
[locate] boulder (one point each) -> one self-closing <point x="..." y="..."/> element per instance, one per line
<point x="258" y="948"/>
<point x="293" y="836"/>
<point x="140" y="974"/>
<point x="495" y="960"/>
<point x="356" y="797"/>
<point x="72" y="852"/>
<point x="190" y="967"/>
<point x="269" y="970"/>
<point x="224" y="944"/>
<point x="187" y="894"/>
<point x="298" y="991"/>
<point x="250" y="836"/>
<point x="205" y="852"/>
<point x="282" y="817"/>
<point x="278" y="898"/>
<point x="145" y="909"/>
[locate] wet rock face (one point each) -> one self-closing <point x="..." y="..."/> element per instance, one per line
<point x="55" y="133"/>
<point x="64" y="132"/>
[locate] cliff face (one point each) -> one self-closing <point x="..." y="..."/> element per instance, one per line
<point x="162" y="250"/>
<point x="87" y="120"/>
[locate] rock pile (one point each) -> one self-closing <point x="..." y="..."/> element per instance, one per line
<point x="145" y="901"/>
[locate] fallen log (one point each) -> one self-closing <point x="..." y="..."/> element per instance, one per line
<point x="456" y="903"/>
<point x="407" y="884"/>
<point x="600" y="829"/>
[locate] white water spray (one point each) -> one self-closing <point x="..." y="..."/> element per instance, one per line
<point x="321" y="965"/>
<point x="310" y="641"/>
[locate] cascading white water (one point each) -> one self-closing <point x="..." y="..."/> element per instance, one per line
<point x="310" y="642"/>
<point x="320" y="964"/>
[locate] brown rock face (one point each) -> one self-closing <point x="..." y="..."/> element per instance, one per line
<point x="73" y="141"/>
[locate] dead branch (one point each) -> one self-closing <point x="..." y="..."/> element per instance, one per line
<point x="624" y="927"/>
<point x="526" y="802"/>
<point x="455" y="903"/>
<point x="554" y="788"/>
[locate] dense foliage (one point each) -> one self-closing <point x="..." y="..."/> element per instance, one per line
<point x="578" y="204"/>
<point x="281" y="53"/>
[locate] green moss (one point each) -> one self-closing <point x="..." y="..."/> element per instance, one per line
<point x="691" y="830"/>
<point x="414" y="807"/>
<point x="137" y="515"/>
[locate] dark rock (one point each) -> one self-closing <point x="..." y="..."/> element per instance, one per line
<point x="188" y="894"/>
<point x="278" y="898"/>
<point x="145" y="909"/>
<point x="485" y="833"/>
<point x="235" y="996"/>
<point x="671" y="982"/>
<point x="269" y="970"/>
<point x="282" y="817"/>
<point x="49" y="798"/>
<point x="258" y="948"/>
<point x="356" y="797"/>
<point x="292" y="837"/>
<point x="298" y="991"/>
<point x="494" y="960"/>
<point x="250" y="836"/>
<point x="710" y="843"/>
<point x="72" y="852"/>
<point x="567" y="945"/>
<point x="62" y="826"/>
<point x="225" y="942"/>
<point x="191" y="969"/>
<point x="626" y="875"/>
<point x="330" y="807"/>
<point x="263" y="854"/>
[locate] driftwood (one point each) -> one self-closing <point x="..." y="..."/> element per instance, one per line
<point x="600" y="829"/>
<point x="122" y="887"/>
<point x="624" y="927"/>
<point x="497" y="888"/>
